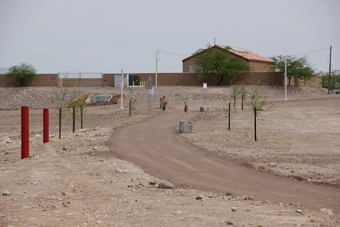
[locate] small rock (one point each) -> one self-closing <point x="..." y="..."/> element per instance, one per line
<point x="6" y="193"/>
<point x="299" y="211"/>
<point x="166" y="185"/>
<point x="266" y="201"/>
<point x="152" y="182"/>
<point x="326" y="211"/>
<point x="178" y="212"/>
<point x="95" y="148"/>
<point x="199" y="198"/>
<point x="210" y="196"/>
<point x="8" y="140"/>
<point x="229" y="223"/>
<point x="272" y="164"/>
<point x="64" y="149"/>
<point x="234" y="209"/>
<point x="122" y="171"/>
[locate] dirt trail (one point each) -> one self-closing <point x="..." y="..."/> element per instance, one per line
<point x="157" y="147"/>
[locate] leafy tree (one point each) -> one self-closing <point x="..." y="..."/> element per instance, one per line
<point x="334" y="80"/>
<point x="217" y="62"/>
<point x="299" y="68"/>
<point x="24" y="74"/>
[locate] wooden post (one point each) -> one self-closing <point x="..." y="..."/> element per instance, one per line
<point x="130" y="106"/>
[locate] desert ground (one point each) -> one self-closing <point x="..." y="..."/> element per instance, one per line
<point x="122" y="170"/>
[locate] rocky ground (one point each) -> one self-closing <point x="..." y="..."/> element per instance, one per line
<point x="74" y="181"/>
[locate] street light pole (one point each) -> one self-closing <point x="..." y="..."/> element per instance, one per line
<point x="156" y="65"/>
<point x="122" y="90"/>
<point x="286" y="78"/>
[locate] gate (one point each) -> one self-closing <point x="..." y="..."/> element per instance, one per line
<point x="118" y="79"/>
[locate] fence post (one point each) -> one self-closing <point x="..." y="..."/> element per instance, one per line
<point x="242" y="101"/>
<point x="130" y="108"/>
<point x="81" y="116"/>
<point x="25" y="132"/>
<point x="255" y="123"/>
<point x="229" y="117"/>
<point x="74" y="119"/>
<point x="46" y="125"/>
<point x="60" y="113"/>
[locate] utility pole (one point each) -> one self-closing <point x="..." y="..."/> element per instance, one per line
<point x="286" y="78"/>
<point x="122" y="91"/>
<point x="156" y="65"/>
<point x="330" y="68"/>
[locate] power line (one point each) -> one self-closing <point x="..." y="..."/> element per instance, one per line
<point x="311" y="51"/>
<point x="172" y="53"/>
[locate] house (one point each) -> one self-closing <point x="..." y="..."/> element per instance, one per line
<point x="256" y="62"/>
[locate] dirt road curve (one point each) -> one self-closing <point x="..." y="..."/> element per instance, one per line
<point x="157" y="147"/>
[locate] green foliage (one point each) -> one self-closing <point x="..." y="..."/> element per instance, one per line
<point x="216" y="62"/>
<point x="259" y="101"/>
<point x="226" y="110"/>
<point x="299" y="68"/>
<point x="133" y="99"/>
<point x="24" y="74"/>
<point x="334" y="80"/>
<point x="234" y="93"/>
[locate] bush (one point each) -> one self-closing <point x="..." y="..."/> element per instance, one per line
<point x="24" y="74"/>
<point x="334" y="82"/>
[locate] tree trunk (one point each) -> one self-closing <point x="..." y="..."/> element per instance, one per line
<point x="219" y="83"/>
<point x="289" y="78"/>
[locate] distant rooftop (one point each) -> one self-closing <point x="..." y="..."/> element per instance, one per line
<point x="250" y="56"/>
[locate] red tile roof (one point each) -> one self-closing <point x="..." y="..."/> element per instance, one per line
<point x="250" y="56"/>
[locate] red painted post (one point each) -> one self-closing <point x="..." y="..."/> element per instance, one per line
<point x="46" y="126"/>
<point x="25" y="143"/>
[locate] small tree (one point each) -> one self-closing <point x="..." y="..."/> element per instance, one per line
<point x="65" y="99"/>
<point x="299" y="68"/>
<point x="243" y="91"/>
<point x="234" y="93"/>
<point x="259" y="101"/>
<point x="132" y="102"/>
<point x="23" y="74"/>
<point x="218" y="62"/>
<point x="334" y="80"/>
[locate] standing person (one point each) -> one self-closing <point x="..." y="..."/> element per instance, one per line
<point x="164" y="103"/>
<point x="186" y="107"/>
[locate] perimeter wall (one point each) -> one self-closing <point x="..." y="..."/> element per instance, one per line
<point x="163" y="79"/>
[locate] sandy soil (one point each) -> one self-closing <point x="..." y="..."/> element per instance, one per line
<point x="77" y="181"/>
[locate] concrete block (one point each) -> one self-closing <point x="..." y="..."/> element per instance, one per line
<point x="205" y="108"/>
<point x="185" y="126"/>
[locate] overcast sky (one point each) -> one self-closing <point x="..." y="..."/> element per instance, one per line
<point x="108" y="35"/>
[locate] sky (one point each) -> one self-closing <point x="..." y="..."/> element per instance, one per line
<point x="110" y="35"/>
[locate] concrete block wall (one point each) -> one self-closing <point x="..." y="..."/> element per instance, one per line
<point x="164" y="79"/>
<point x="42" y="80"/>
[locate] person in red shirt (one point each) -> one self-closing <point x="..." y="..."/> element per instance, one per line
<point x="164" y="103"/>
